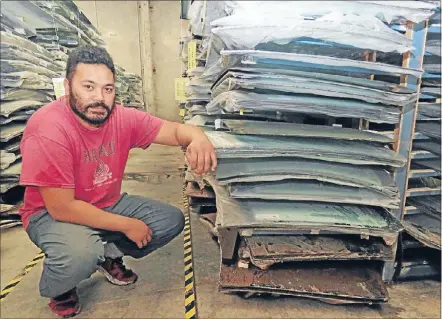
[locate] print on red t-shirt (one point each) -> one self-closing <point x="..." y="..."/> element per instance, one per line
<point x="58" y="151"/>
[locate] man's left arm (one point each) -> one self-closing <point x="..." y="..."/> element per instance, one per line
<point x="199" y="150"/>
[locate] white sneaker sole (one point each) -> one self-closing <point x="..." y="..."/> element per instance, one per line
<point x="113" y="280"/>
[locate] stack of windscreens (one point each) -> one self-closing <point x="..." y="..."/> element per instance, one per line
<point x="308" y="193"/>
<point x="128" y="89"/>
<point x="70" y="28"/>
<point x="53" y="25"/>
<point x="51" y="38"/>
<point x="9" y="216"/>
<point x="27" y="70"/>
<point x="423" y="215"/>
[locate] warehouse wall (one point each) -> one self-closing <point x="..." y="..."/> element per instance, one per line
<point x="119" y="29"/>
<point x="128" y="27"/>
<point x="165" y="31"/>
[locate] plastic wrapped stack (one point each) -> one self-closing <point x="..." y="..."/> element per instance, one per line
<point x="303" y="196"/>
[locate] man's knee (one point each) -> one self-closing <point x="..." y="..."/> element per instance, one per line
<point x="76" y="260"/>
<point x="162" y="233"/>
<point x="176" y="221"/>
<point x="169" y="226"/>
<point x="178" y="217"/>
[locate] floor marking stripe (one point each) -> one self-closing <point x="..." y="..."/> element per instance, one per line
<point x="190" y="306"/>
<point x="188" y="253"/>
<point x="188" y="276"/>
<point x="187" y="267"/>
<point x="14" y="282"/>
<point x="32" y="264"/>
<point x="189" y="299"/>
<point x="188" y="262"/>
<point x="191" y="313"/>
<point x="188" y="282"/>
<point x="189" y="288"/>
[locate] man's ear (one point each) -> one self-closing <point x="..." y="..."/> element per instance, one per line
<point x="66" y="86"/>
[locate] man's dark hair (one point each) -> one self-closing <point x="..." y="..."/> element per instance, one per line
<point x="88" y="54"/>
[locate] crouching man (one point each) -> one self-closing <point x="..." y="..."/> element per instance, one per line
<point x="74" y="152"/>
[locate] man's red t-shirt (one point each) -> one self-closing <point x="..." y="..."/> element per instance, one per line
<point x="58" y="151"/>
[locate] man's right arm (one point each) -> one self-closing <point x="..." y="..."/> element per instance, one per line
<point x="53" y="175"/>
<point x="62" y="206"/>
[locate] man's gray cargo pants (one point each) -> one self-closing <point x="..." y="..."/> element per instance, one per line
<point x="73" y="252"/>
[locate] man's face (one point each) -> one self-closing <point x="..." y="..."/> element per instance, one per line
<point x="92" y="92"/>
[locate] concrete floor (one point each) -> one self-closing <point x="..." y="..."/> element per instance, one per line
<point x="159" y="293"/>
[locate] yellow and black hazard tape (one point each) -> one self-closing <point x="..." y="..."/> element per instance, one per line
<point x="189" y="284"/>
<point x="14" y="282"/>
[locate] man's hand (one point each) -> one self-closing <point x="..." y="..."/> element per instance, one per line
<point x="201" y="155"/>
<point x="138" y="232"/>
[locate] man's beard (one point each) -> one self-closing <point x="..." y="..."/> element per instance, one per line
<point x="83" y="114"/>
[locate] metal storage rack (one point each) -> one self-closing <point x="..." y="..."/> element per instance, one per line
<point x="405" y="134"/>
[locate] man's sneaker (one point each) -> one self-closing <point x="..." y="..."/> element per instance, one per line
<point x="116" y="272"/>
<point x="66" y="305"/>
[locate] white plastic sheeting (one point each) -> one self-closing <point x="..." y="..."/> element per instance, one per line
<point x="202" y="13"/>
<point x="346" y="24"/>
<point x="248" y="30"/>
<point x="386" y="11"/>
